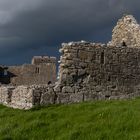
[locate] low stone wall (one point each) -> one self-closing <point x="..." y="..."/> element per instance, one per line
<point x="25" y="97"/>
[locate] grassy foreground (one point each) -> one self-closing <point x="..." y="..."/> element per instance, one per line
<point x="102" y="120"/>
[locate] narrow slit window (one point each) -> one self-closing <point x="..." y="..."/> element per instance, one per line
<point x="37" y="70"/>
<point x="102" y="58"/>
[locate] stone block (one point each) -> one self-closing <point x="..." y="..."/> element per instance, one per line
<point x="67" y="89"/>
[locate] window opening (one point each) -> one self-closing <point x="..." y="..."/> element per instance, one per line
<point x="102" y="58"/>
<point x="124" y="44"/>
<point x="37" y="70"/>
<point x="5" y="73"/>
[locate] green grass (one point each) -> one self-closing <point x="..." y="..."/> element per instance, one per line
<point x="102" y="120"/>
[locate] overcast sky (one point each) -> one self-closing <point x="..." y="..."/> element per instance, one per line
<point x="38" y="27"/>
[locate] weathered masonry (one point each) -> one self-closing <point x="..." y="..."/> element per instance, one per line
<point x="96" y="71"/>
<point x="126" y="32"/>
<point x="25" y="97"/>
<point x="41" y="71"/>
<point x="87" y="71"/>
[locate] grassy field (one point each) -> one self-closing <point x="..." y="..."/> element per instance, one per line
<point x="102" y="120"/>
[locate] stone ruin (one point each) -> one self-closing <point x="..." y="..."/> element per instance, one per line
<point x="126" y="32"/>
<point x="42" y="70"/>
<point x="88" y="71"/>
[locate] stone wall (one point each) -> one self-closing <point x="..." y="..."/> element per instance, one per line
<point x="41" y="71"/>
<point x="43" y="59"/>
<point x="30" y="74"/>
<point x="96" y="71"/>
<point x="25" y="97"/>
<point x="87" y="71"/>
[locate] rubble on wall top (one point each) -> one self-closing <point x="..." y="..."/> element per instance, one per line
<point x="75" y="43"/>
<point x="3" y="66"/>
<point x="81" y="43"/>
<point x="37" y="57"/>
<point x="52" y="57"/>
<point x="125" y="34"/>
<point x="129" y="19"/>
<point x="41" y="57"/>
<point x="45" y="57"/>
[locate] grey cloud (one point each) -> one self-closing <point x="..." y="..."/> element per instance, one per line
<point x="31" y="24"/>
<point x="54" y="20"/>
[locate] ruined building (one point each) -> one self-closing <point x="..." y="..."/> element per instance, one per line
<point x="42" y="70"/>
<point x="88" y="71"/>
<point x="126" y="32"/>
<point x="4" y="78"/>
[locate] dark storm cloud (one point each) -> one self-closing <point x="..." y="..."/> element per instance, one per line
<point x="29" y="26"/>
